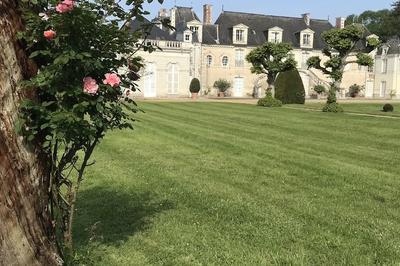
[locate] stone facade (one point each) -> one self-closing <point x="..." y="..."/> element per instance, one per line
<point x="213" y="51"/>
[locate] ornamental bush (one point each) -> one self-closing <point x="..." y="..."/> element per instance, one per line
<point x="83" y="51"/>
<point x="388" y="108"/>
<point x="289" y="88"/>
<point x="332" y="108"/>
<point x="194" y="86"/>
<point x="269" y="101"/>
<point x="319" y="89"/>
<point x="222" y="85"/>
<point x="354" y="90"/>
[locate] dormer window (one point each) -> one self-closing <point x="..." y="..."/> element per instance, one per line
<point x="385" y="50"/>
<point x="307" y="38"/>
<point x="275" y="38"/>
<point x="194" y="29"/>
<point x="275" y="35"/>
<point x="187" y="37"/>
<point x="240" y="33"/>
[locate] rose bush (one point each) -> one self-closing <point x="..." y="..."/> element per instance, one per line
<point x="84" y="52"/>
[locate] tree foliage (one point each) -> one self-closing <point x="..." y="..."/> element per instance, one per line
<point x="377" y="22"/>
<point x="341" y="44"/>
<point x="222" y="85"/>
<point x="84" y="57"/>
<point x="195" y="85"/>
<point x="271" y="59"/>
<point x="289" y="88"/>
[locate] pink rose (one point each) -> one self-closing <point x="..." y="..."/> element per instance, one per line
<point x="90" y="85"/>
<point x="65" y="6"/>
<point x="112" y="79"/>
<point x="49" y="34"/>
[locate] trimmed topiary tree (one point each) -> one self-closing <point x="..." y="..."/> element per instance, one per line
<point x="289" y="87"/>
<point x="194" y="86"/>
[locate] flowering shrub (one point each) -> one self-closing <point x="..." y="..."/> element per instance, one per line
<point x="84" y="52"/>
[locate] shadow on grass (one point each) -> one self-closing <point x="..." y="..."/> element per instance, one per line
<point x="111" y="216"/>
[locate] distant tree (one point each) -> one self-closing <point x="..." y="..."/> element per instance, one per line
<point x="377" y="22"/>
<point x="271" y="59"/>
<point x="341" y="45"/>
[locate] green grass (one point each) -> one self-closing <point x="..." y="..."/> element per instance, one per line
<point x="233" y="184"/>
<point x="364" y="108"/>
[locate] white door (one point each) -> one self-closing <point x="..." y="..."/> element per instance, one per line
<point x="238" y="87"/>
<point x="150" y="80"/>
<point x="369" y="89"/>
<point x="383" y="89"/>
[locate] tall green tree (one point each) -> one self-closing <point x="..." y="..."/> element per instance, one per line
<point x="341" y="45"/>
<point x="377" y="22"/>
<point x="272" y="59"/>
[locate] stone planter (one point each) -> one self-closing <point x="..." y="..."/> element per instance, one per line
<point x="195" y="95"/>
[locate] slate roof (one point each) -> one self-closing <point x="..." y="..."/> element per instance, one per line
<point x="258" y="27"/>
<point x="393" y="44"/>
<point x="155" y="33"/>
<point x="185" y="14"/>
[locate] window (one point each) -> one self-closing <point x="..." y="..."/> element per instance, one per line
<point x="225" y="61"/>
<point x="239" y="58"/>
<point x="150" y="80"/>
<point x="275" y="37"/>
<point x="370" y="69"/>
<point x="240" y="35"/>
<point x="209" y="60"/>
<point x="385" y="50"/>
<point x="173" y="78"/>
<point x="194" y="28"/>
<point x="187" y="37"/>
<point x="384" y="65"/>
<point x="306" y="39"/>
<point x="383" y="89"/>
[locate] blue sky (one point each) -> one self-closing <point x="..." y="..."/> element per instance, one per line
<point x="318" y="8"/>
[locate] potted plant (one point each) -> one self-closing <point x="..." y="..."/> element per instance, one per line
<point x="222" y="85"/>
<point x="354" y="90"/>
<point x="319" y="90"/>
<point x="194" y="88"/>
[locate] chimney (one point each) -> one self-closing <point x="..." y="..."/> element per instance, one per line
<point x="163" y="13"/>
<point x="207" y="14"/>
<point x="340" y="22"/>
<point x="173" y="18"/>
<point x="307" y="19"/>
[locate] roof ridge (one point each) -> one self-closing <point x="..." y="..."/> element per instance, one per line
<point x="277" y="16"/>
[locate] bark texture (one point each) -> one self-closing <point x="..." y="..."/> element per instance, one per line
<point x="24" y="226"/>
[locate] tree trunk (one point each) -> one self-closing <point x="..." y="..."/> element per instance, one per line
<point x="24" y="223"/>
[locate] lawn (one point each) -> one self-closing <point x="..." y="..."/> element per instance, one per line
<point x="364" y="108"/>
<point x="235" y="184"/>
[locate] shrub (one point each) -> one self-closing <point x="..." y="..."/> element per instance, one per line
<point x="269" y="101"/>
<point x="194" y="86"/>
<point x="388" y="108"/>
<point x="332" y="108"/>
<point x="222" y="85"/>
<point x="354" y="90"/>
<point x="319" y="89"/>
<point x="289" y="88"/>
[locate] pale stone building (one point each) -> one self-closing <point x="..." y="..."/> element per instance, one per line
<point x="387" y="70"/>
<point x="209" y="52"/>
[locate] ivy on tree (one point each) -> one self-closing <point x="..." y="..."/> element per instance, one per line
<point x="271" y="59"/>
<point x="343" y="46"/>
